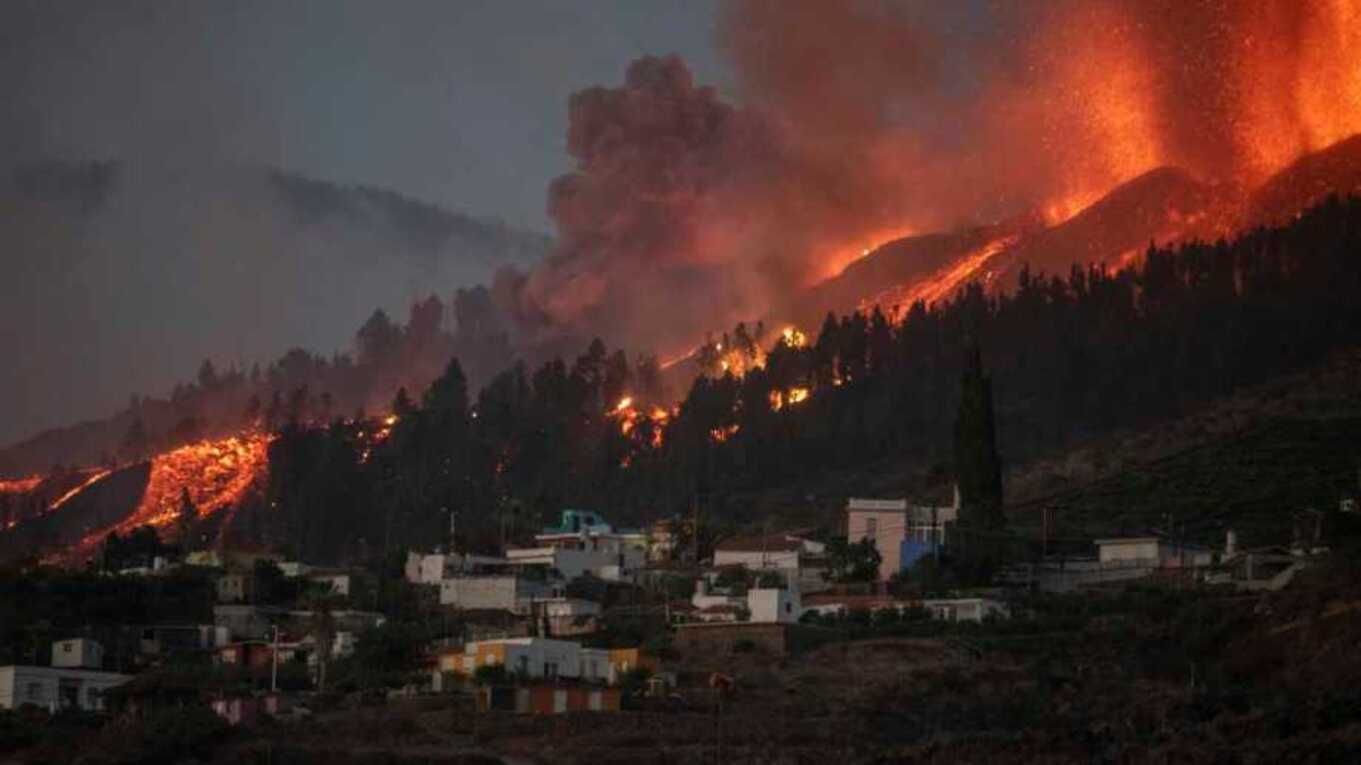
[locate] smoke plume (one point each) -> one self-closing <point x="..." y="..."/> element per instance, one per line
<point x="857" y="122"/>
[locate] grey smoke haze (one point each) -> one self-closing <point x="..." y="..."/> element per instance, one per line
<point x="120" y="277"/>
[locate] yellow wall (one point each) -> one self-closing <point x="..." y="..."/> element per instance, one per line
<point x="484" y="655"/>
<point x="626" y="659"/>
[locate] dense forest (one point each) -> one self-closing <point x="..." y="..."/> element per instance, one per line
<point x="1069" y="357"/>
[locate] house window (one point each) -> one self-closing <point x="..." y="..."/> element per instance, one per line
<point x="550" y="669"/>
<point x="35" y="691"/>
<point x="65" y="647"/>
<point x="92" y="698"/>
<point x="871" y="528"/>
<point x="522" y="665"/>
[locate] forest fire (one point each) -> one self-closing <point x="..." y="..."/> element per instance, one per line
<point x="215" y="475"/>
<point x="630" y="417"/>
<point x="741" y="353"/>
<point x="721" y="435"/>
<point x="780" y="399"/>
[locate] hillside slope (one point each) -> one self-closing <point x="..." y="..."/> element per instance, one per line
<point x="233" y="263"/>
<point x="1251" y="462"/>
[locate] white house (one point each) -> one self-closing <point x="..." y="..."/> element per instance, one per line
<point x="585" y="543"/>
<point x="768" y="605"/>
<point x="604" y="558"/>
<point x="427" y="568"/>
<point x="73" y="682"/>
<point x="77" y="652"/>
<point x="1119" y="559"/>
<point x="966" y="609"/>
<point x="54" y="688"/>
<point x="338" y="582"/>
<point x="777" y="551"/>
<point x="541" y="658"/>
<point x="947" y="609"/>
<point x="432" y="568"/>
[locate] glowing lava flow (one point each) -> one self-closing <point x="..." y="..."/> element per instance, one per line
<point x="216" y="474"/>
<point x="945" y="282"/>
<point x="94" y="478"/>
<point x="20" y="485"/>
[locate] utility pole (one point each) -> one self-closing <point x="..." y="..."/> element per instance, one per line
<point x="1044" y="544"/>
<point x="694" y="529"/>
<point x="765" y="543"/>
<point x="274" y="663"/>
<point x="937" y="534"/>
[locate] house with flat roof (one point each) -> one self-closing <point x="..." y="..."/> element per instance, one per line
<point x="902" y="533"/>
<point x="1151" y="552"/>
<point x="541" y="658"/>
<point x="74" y="681"/>
<point x="584" y="543"/>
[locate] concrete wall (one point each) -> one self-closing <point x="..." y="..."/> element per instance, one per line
<point x="478" y="592"/>
<point x="965" y="609"/>
<point x="1111" y="551"/>
<point x="774" y="605"/>
<point x="787" y="560"/>
<point x="1152" y="553"/>
<point x="539" y="654"/>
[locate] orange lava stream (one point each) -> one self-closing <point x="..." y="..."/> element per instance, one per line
<point x="943" y="283"/>
<point x="94" y="478"/>
<point x="21" y="485"/>
<point x="216" y="473"/>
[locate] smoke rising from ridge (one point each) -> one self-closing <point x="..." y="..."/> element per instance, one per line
<point x="857" y="122"/>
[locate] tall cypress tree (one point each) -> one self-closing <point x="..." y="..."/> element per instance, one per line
<point x="978" y="467"/>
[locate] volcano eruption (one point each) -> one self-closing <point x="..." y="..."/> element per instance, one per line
<point x="857" y="123"/>
<point x="885" y="154"/>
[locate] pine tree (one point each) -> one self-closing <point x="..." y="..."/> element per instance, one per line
<point x="978" y="468"/>
<point x="185" y="518"/>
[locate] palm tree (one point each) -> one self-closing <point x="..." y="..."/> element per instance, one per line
<point x="323" y="628"/>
